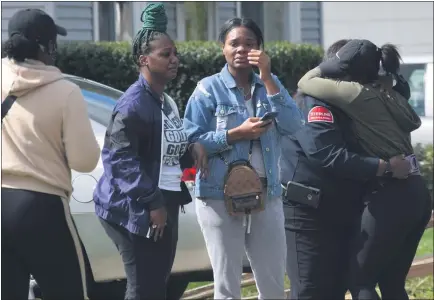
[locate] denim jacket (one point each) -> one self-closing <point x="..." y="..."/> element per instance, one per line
<point x="216" y="106"/>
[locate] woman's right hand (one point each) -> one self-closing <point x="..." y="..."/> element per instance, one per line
<point x="158" y="222"/>
<point x="251" y="129"/>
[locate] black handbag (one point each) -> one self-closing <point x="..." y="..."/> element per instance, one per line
<point x="303" y="194"/>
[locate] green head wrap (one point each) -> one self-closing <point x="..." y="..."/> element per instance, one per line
<point x="154" y="19"/>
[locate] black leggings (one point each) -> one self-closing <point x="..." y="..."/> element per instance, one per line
<point x="392" y="225"/>
<point x="39" y="238"/>
<point x="148" y="263"/>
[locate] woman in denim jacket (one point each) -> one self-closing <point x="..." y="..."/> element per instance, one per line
<point x="220" y="115"/>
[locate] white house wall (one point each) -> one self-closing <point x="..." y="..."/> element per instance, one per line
<point x="310" y="22"/>
<point x="76" y="17"/>
<point x="407" y="24"/>
<point x="225" y="11"/>
<point x="171" y="18"/>
<point x="8" y="9"/>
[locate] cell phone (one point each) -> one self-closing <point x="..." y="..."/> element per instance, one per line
<point x="269" y="116"/>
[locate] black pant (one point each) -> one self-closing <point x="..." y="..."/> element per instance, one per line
<point x="392" y="225"/>
<point x="318" y="246"/>
<point x="39" y="238"/>
<point x="148" y="263"/>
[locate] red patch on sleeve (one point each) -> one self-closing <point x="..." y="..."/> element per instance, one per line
<point x="320" y="114"/>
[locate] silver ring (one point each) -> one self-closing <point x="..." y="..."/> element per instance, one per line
<point x="154" y="226"/>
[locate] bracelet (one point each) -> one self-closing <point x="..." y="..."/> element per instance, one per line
<point x="388" y="171"/>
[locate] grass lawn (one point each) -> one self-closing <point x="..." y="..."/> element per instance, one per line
<point x="418" y="288"/>
<point x="423" y="288"/>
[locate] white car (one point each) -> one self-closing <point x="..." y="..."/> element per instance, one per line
<point x="105" y="267"/>
<point x="418" y="71"/>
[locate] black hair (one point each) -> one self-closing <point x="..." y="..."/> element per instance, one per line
<point x="334" y="48"/>
<point x="241" y="22"/>
<point x="19" y="48"/>
<point x="390" y="58"/>
<point x="154" y="26"/>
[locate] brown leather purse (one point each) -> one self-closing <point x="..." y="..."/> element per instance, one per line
<point x="243" y="188"/>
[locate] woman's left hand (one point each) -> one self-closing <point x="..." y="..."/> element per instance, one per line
<point x="261" y="60"/>
<point x="200" y="159"/>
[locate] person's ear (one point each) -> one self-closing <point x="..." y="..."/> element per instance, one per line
<point x="52" y="47"/>
<point x="143" y="60"/>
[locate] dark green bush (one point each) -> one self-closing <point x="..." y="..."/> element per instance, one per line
<point x="425" y="155"/>
<point x="112" y="64"/>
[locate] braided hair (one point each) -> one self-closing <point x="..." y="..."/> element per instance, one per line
<point x="154" y="20"/>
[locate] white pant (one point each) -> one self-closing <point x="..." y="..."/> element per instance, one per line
<point x="265" y="246"/>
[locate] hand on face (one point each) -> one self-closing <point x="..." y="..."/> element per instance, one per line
<point x="261" y="60"/>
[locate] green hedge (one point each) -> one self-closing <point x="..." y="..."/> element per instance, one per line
<point x="425" y="156"/>
<point x="111" y="63"/>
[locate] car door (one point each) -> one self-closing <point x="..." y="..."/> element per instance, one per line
<point x="105" y="261"/>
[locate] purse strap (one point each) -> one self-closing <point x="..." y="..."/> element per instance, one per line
<point x="7" y="104"/>
<point x="251" y="141"/>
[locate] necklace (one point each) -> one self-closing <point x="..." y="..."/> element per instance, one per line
<point x="246" y="95"/>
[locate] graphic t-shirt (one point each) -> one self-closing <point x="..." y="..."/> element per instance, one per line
<point x="174" y="145"/>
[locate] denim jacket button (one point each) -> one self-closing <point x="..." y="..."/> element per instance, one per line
<point x="267" y="149"/>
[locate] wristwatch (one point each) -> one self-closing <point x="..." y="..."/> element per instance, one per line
<point x="388" y="171"/>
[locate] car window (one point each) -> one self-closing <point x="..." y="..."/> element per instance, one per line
<point x="415" y="75"/>
<point x="100" y="100"/>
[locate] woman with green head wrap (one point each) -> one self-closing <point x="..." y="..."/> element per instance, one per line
<point x="138" y="197"/>
<point x="153" y="49"/>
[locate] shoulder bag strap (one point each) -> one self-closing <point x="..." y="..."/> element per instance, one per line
<point x="7" y="104"/>
<point x="251" y="141"/>
<point x="10" y="100"/>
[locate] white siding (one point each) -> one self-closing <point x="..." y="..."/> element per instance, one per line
<point x="310" y="22"/>
<point x="225" y="11"/>
<point x="8" y="9"/>
<point x="407" y="24"/>
<point x="273" y="21"/>
<point x="171" y="18"/>
<point x="77" y="18"/>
